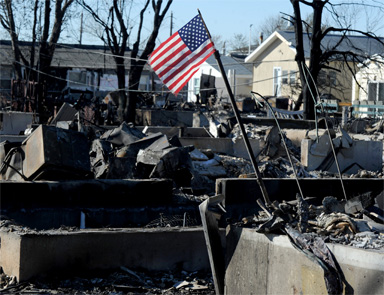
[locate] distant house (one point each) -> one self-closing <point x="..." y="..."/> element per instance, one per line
<point x="369" y="84"/>
<point x="368" y="88"/>
<point x="208" y="79"/>
<point x="74" y="69"/>
<point x="275" y="72"/>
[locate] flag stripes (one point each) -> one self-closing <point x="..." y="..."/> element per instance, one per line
<point x="176" y="61"/>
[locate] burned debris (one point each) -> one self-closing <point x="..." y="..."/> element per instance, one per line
<point x="119" y="281"/>
<point x="193" y="166"/>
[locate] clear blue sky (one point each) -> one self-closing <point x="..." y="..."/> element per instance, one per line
<point x="229" y="17"/>
<point x="226" y="17"/>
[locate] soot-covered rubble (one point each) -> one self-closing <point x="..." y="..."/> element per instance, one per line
<point x="126" y="152"/>
<point x="114" y="282"/>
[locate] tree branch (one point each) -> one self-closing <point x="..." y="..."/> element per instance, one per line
<point x="306" y="2"/>
<point x="93" y="13"/>
<point x="158" y="19"/>
<point x="135" y="48"/>
<point x="123" y="29"/>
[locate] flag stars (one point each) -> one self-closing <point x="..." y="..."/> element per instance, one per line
<point x="193" y="33"/>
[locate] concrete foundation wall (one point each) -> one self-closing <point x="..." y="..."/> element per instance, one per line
<point x="268" y="264"/>
<point x="52" y="252"/>
<point x="128" y="217"/>
<point x="366" y="155"/>
<point x="93" y="193"/>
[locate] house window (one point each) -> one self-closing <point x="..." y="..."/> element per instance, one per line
<point x="196" y="85"/>
<point x="322" y="78"/>
<point x="277" y="81"/>
<point x="376" y="91"/>
<point x="332" y="78"/>
<point x="285" y="77"/>
<point x="77" y="79"/>
<point x="292" y="77"/>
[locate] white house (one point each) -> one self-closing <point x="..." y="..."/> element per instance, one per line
<point x="370" y="80"/>
<point x="368" y="88"/>
<point x="239" y="77"/>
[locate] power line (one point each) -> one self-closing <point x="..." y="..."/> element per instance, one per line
<point x="145" y="91"/>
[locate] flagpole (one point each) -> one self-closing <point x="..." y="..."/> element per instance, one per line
<point x="239" y="121"/>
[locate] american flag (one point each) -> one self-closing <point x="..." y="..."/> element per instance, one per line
<point x="180" y="56"/>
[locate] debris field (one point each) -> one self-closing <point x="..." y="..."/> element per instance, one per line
<point x="77" y="150"/>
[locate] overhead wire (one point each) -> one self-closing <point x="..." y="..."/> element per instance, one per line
<point x="130" y="90"/>
<point x="326" y="125"/>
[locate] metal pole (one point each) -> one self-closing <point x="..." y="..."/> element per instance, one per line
<point x="81" y="29"/>
<point x="239" y="121"/>
<point x="249" y="48"/>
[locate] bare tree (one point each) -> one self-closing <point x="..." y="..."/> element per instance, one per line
<point x="117" y="35"/>
<point x="239" y="42"/>
<point x="7" y="20"/>
<point x="274" y="23"/>
<point x="219" y="42"/>
<point x="10" y="11"/>
<point x="319" y="55"/>
<point x="50" y="32"/>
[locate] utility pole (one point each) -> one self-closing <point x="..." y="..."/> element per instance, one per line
<point x="250" y="35"/>
<point x="81" y="28"/>
<point x="171" y="30"/>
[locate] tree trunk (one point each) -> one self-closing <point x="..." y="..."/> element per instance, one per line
<point x="120" y="71"/>
<point x="134" y="83"/>
<point x="315" y="59"/>
<point x="300" y="58"/>
<point x="14" y="40"/>
<point x="308" y="95"/>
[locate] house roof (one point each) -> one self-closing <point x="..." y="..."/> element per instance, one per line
<point x="68" y="55"/>
<point x="229" y="63"/>
<point x="361" y="45"/>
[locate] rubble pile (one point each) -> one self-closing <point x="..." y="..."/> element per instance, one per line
<point x="252" y="131"/>
<point x="119" y="281"/>
<point x="126" y="152"/>
<point x="357" y="222"/>
<point x="365" y="126"/>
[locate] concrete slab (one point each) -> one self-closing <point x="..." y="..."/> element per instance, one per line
<point x="269" y="264"/>
<point x="223" y="145"/>
<point x="27" y="255"/>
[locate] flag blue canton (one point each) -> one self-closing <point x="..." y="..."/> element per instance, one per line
<point x="193" y="33"/>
